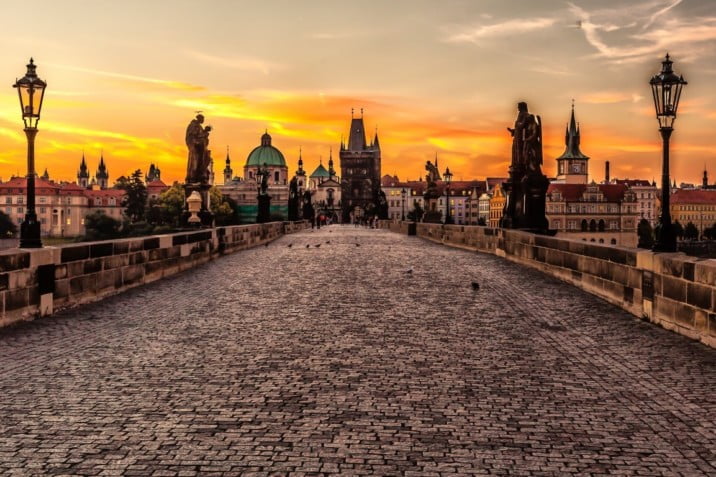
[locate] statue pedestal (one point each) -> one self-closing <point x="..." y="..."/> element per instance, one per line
<point x="264" y="214"/>
<point x="207" y="218"/>
<point x="526" y="196"/>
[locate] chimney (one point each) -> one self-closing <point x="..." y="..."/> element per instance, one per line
<point x="606" y="173"/>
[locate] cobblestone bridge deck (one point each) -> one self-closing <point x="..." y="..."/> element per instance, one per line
<point x="335" y="360"/>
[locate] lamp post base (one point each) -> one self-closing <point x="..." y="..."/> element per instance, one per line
<point x="30" y="233"/>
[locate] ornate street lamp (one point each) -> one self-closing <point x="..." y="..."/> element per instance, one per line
<point x="666" y="87"/>
<point x="31" y="91"/>
<point x="403" y="193"/>
<point x="448" y="177"/>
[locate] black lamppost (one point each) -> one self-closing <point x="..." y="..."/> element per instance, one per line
<point x="31" y="91"/>
<point x="666" y="87"/>
<point x="402" y="195"/>
<point x="448" y="178"/>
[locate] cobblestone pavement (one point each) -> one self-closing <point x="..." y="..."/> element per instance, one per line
<point x="294" y="360"/>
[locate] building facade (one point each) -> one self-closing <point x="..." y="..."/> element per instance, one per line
<point x="697" y="206"/>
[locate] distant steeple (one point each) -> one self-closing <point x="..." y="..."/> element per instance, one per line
<point x="705" y="181"/>
<point x="45" y="175"/>
<point x="83" y="173"/>
<point x="572" y="165"/>
<point x="331" y="171"/>
<point x="102" y="173"/>
<point x="300" y="171"/>
<point x="228" y="172"/>
<point x="376" y="143"/>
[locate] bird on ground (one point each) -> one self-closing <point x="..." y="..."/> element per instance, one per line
<point x="290" y="245"/>
<point x="266" y="244"/>
<point x="357" y="245"/>
<point x="409" y="271"/>
<point x="317" y="245"/>
<point x="308" y="246"/>
<point x="328" y="242"/>
<point x="475" y="286"/>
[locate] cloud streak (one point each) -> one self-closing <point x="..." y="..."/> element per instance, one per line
<point x="509" y="27"/>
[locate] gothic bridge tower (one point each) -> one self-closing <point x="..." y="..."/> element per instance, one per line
<point x="360" y="172"/>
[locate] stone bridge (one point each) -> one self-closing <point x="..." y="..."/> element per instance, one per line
<point x="295" y="359"/>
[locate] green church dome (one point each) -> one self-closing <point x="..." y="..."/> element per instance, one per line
<point x="266" y="154"/>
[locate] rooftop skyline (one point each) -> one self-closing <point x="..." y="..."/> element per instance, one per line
<point x="127" y="78"/>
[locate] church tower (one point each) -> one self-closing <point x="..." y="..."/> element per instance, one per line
<point x="705" y="181"/>
<point x="360" y="172"/>
<point x="102" y="175"/>
<point x="572" y="165"/>
<point x="83" y="173"/>
<point x="228" y="171"/>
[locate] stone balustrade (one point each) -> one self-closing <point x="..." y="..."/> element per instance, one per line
<point x="673" y="290"/>
<point x="38" y="282"/>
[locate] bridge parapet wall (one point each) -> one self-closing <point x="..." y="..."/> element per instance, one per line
<point x="673" y="290"/>
<point x="40" y="281"/>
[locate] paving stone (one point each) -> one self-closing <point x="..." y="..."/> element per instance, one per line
<point x="304" y="361"/>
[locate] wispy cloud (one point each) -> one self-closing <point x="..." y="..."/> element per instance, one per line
<point x="646" y="30"/>
<point x="243" y="63"/>
<point x="520" y="25"/>
<point x="134" y="78"/>
<point x="609" y="97"/>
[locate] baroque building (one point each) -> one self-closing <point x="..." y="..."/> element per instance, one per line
<point x="360" y="172"/>
<point x="245" y="190"/>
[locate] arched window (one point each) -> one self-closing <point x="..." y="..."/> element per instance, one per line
<point x="614" y="241"/>
<point x="601" y="225"/>
<point x="592" y="226"/>
<point x="584" y="225"/>
<point x="601" y="240"/>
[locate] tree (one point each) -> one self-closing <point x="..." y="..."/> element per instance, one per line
<point x="691" y="232"/>
<point x="481" y="221"/>
<point x="417" y="213"/>
<point x="167" y="209"/>
<point x="99" y="226"/>
<point x="7" y="227"/>
<point x="645" y="233"/>
<point x="135" y="200"/>
<point x="678" y="230"/>
<point x="223" y="208"/>
<point x="710" y="232"/>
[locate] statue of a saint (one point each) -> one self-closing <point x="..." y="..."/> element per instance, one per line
<point x="264" y="173"/>
<point x="433" y="175"/>
<point x="532" y="148"/>
<point x="197" y="141"/>
<point x="518" y="134"/>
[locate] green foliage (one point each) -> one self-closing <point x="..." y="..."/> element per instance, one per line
<point x="645" y="233"/>
<point x="7" y="227"/>
<point x="678" y="230"/>
<point x="223" y="208"/>
<point x="417" y="213"/>
<point x="710" y="232"/>
<point x="481" y="221"/>
<point x="135" y="201"/>
<point x="168" y="208"/>
<point x="691" y="232"/>
<point x="99" y="226"/>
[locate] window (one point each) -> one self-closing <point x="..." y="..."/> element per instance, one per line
<point x="42" y="210"/>
<point x="20" y="200"/>
<point x="19" y="210"/>
<point x="43" y="200"/>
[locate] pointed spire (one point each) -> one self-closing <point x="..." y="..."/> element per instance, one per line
<point x="376" y="143"/>
<point x="572" y="139"/>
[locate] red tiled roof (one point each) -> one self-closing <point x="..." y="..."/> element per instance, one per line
<point x="694" y="196"/>
<point x="21" y="183"/>
<point x="157" y="183"/>
<point x="105" y="193"/>
<point x="633" y="182"/>
<point x="574" y="192"/>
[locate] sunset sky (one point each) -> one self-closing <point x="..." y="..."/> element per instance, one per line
<point x="433" y="76"/>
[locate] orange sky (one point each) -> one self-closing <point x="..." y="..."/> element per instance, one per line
<point x="432" y="80"/>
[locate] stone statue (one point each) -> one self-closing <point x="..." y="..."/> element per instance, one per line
<point x="197" y="142"/>
<point x="433" y="174"/>
<point x="264" y="173"/>
<point x="518" y="134"/>
<point x="527" y="186"/>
